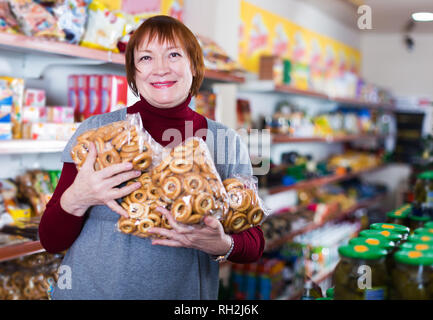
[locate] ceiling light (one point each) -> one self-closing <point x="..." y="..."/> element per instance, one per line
<point x="422" y="16"/>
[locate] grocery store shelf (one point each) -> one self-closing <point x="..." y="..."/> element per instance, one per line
<point x="20" y="250"/>
<point x="284" y="138"/>
<point x="269" y="246"/>
<point x="313" y="183"/>
<point x="30" y="45"/>
<point x="31" y="146"/>
<point x="268" y="86"/>
<point x="325" y="274"/>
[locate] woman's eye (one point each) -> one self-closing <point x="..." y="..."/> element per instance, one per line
<point x="145" y="58"/>
<point x="174" y="54"/>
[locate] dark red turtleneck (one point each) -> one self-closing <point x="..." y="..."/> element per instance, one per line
<point x="59" y="229"/>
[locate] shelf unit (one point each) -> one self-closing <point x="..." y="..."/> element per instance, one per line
<point x="20" y="250"/>
<point x="312" y="226"/>
<point x="268" y="86"/>
<point x="31" y="146"/>
<point x="24" y="44"/>
<point x="313" y="183"/>
<point x="284" y="138"/>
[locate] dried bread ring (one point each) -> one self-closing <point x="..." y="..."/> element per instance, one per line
<point x="171" y="187"/>
<point x="131" y="147"/>
<point x="155" y="218"/>
<point x="159" y="177"/>
<point x="165" y="224"/>
<point x="142" y="161"/>
<point x="164" y="164"/>
<point x="152" y="193"/>
<point x="88" y="135"/>
<point x="80" y="151"/>
<point x="245" y="202"/>
<point x="126" y="225"/>
<point x="99" y="144"/>
<point x="139" y="196"/>
<point x="255" y="216"/>
<point x="237" y="222"/>
<point x="110" y="157"/>
<point x="203" y="203"/>
<point x="181" y="210"/>
<point x="145" y="225"/>
<point x="138" y="210"/>
<point x="180" y="166"/>
<point x="194" y="218"/>
<point x="237" y="199"/>
<point x="233" y="183"/>
<point x="193" y="183"/>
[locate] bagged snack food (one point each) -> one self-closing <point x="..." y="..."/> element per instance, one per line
<point x="185" y="182"/>
<point x="104" y="28"/>
<point x="35" y="20"/>
<point x="72" y="17"/>
<point x="246" y="208"/>
<point x="7" y="20"/>
<point x="117" y="142"/>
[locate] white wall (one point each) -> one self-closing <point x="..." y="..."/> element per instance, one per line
<point x="388" y="63"/>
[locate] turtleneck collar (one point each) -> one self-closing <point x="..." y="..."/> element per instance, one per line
<point x="180" y="112"/>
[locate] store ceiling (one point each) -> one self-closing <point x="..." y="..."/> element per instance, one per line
<point x="394" y="15"/>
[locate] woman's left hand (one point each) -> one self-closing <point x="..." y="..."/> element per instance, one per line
<point x="209" y="237"/>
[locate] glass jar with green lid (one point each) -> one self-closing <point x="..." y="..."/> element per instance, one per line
<point x="390" y="235"/>
<point x="428" y="224"/>
<point x="420" y="238"/>
<point x="426" y="231"/>
<point x="330" y="293"/>
<point x="380" y="242"/>
<point x="416" y="222"/>
<point x="417" y="246"/>
<point x="398" y="217"/>
<point x="420" y="194"/>
<point x="361" y="273"/>
<point x="397" y="228"/>
<point x="412" y="277"/>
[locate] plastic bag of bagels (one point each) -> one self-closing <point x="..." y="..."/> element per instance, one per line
<point x="185" y="182"/>
<point x="246" y="209"/>
<point x="118" y="142"/>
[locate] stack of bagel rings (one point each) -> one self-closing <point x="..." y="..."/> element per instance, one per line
<point x="245" y="210"/>
<point x="185" y="182"/>
<point x="115" y="143"/>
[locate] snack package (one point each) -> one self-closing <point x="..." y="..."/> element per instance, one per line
<point x="117" y="142"/>
<point x="246" y="208"/>
<point x="35" y="20"/>
<point x="72" y="17"/>
<point x="7" y="20"/>
<point x="104" y="28"/>
<point x="185" y="182"/>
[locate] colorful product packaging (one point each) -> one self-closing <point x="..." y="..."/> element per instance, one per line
<point x="34" y="114"/>
<point x="34" y="98"/>
<point x="95" y="94"/>
<point x="11" y="104"/>
<point x="50" y="131"/>
<point x="60" y="114"/>
<point x="83" y="97"/>
<point x="114" y="93"/>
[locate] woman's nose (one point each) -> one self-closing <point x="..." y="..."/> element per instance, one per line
<point x="161" y="67"/>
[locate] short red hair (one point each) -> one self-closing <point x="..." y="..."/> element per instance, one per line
<point x="171" y="30"/>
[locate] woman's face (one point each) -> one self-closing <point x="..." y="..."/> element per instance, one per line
<point x="163" y="75"/>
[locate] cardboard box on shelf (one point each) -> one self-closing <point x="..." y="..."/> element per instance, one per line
<point x="60" y="114"/>
<point x="95" y="94"/>
<point x="5" y="130"/>
<point x="50" y="131"/>
<point x="34" y="98"/>
<point x="83" y="96"/>
<point x="34" y="114"/>
<point x="114" y="93"/>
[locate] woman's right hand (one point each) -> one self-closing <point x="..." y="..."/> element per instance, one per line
<point x="92" y="187"/>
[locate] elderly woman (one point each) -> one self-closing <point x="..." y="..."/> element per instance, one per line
<point x="164" y="66"/>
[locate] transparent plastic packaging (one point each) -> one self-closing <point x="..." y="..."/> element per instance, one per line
<point x="117" y="142"/>
<point x="72" y="17"/>
<point x="185" y="182"/>
<point x="104" y="28"/>
<point x="35" y="20"/>
<point x="246" y="209"/>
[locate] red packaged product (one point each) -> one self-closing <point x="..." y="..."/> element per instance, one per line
<point x="83" y="97"/>
<point x="114" y="93"/>
<point x="73" y="96"/>
<point x="95" y="94"/>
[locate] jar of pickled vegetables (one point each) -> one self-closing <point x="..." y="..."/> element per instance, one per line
<point x="361" y="273"/>
<point x="425" y="231"/>
<point x="420" y="194"/>
<point x="421" y="238"/>
<point x="390" y="235"/>
<point x="412" y="278"/>
<point x="398" y="217"/>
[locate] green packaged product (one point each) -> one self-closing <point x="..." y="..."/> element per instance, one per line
<point x="330" y="293"/>
<point x="361" y="273"/>
<point x="412" y="277"/>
